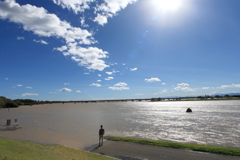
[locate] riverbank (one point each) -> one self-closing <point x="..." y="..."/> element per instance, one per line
<point x="134" y="151"/>
<point x="194" y="147"/>
<point x="139" y="149"/>
<point x="15" y="149"/>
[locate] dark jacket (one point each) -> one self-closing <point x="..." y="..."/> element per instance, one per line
<point x="101" y="131"/>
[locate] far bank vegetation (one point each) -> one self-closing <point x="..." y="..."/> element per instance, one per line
<point x="8" y="103"/>
<point x="199" y="98"/>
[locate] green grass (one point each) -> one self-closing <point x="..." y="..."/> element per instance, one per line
<point x="22" y="150"/>
<point x="194" y="147"/>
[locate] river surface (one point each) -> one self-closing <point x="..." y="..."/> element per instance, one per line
<point x="77" y="125"/>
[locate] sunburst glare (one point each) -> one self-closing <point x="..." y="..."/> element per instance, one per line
<point x="167" y="5"/>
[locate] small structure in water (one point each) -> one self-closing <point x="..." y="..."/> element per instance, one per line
<point x="189" y="110"/>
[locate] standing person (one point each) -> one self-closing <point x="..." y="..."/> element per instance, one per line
<point x="101" y="133"/>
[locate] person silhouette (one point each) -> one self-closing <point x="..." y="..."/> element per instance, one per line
<point x="101" y="133"/>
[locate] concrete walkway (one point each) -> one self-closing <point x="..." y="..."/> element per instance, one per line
<point x="132" y="151"/>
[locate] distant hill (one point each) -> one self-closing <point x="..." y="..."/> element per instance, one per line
<point x="221" y="94"/>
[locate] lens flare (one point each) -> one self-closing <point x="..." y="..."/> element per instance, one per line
<point x="167" y="5"/>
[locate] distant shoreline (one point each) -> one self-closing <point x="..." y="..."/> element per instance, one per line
<point x="188" y="100"/>
<point x="198" y="100"/>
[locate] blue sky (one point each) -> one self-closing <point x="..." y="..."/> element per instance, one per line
<point x="117" y="49"/>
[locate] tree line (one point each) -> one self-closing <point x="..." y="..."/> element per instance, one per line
<point x="206" y="97"/>
<point x="8" y="103"/>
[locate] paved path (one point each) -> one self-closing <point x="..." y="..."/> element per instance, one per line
<point x="132" y="151"/>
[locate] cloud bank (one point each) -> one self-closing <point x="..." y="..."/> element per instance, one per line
<point x="230" y="86"/>
<point x="102" y="10"/>
<point x="44" y="24"/>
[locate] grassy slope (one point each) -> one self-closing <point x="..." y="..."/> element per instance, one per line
<point x="16" y="150"/>
<point x="194" y="147"/>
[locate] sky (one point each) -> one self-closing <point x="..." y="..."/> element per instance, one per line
<point x="118" y="49"/>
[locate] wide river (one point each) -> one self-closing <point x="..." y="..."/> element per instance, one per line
<point x="77" y="125"/>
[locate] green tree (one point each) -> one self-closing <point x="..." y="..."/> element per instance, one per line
<point x="7" y="103"/>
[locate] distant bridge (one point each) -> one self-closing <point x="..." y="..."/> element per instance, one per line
<point x="96" y="101"/>
<point x="111" y="100"/>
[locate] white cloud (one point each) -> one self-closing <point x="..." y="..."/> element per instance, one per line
<point x="42" y="23"/>
<point x="113" y="6"/>
<point x="65" y="90"/>
<point x="29" y="87"/>
<point x="139" y="94"/>
<point x="133" y="69"/>
<point x="90" y="57"/>
<point x="109" y="73"/>
<point x="19" y="85"/>
<point x="104" y="9"/>
<point x="163" y="91"/>
<point x="6" y="78"/>
<point x="101" y="19"/>
<point x="40" y="41"/>
<point x="123" y="64"/>
<point x="184" y="87"/>
<point x="152" y="80"/>
<point x="39" y="21"/>
<point x="183" y="84"/>
<point x="74" y="5"/>
<point x="78" y="91"/>
<point x="163" y="83"/>
<point x="61" y="49"/>
<point x="20" y="38"/>
<point x="96" y="85"/>
<point x="109" y="78"/>
<point x="109" y="9"/>
<point x="83" y="22"/>
<point x="187" y="89"/>
<point x="119" y="86"/>
<point x="29" y="94"/>
<point x="66" y="83"/>
<point x="85" y="73"/>
<point x="205" y="87"/>
<point x="99" y="75"/>
<point x="98" y="80"/>
<point x="230" y="86"/>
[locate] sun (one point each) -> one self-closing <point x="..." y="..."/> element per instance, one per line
<point x="167" y="5"/>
